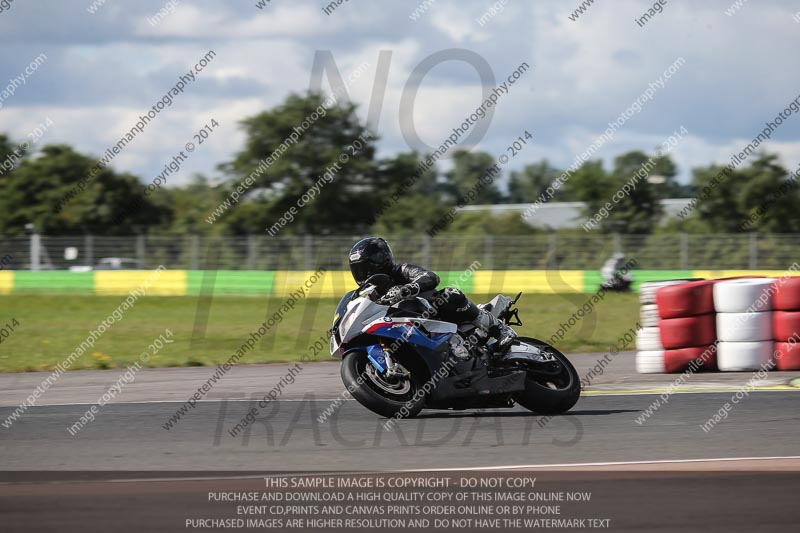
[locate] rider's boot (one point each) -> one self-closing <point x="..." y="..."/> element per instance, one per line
<point x="459" y="347"/>
<point x="498" y="329"/>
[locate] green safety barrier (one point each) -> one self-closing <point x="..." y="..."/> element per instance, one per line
<point x="331" y="284"/>
<point x="238" y="282"/>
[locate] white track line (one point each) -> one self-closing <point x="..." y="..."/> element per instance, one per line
<point x="612" y="463"/>
<point x="425" y="470"/>
<point x="176" y="401"/>
<point x="601" y="393"/>
<point x="592" y="393"/>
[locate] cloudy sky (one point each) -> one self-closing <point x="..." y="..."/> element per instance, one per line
<point x="104" y="69"/>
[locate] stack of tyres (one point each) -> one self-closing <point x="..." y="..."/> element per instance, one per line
<point x="649" y="351"/>
<point x="744" y="323"/>
<point x="786" y="323"/>
<point x="688" y="329"/>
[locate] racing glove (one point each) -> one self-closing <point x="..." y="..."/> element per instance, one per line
<point x="409" y="290"/>
<point x="399" y="293"/>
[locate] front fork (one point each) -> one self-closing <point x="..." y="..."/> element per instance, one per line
<point x="382" y="360"/>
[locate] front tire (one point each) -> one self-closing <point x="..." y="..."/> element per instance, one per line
<point x="394" y="397"/>
<point x="550" y="393"/>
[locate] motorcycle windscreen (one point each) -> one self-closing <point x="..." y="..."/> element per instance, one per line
<point x="341" y="308"/>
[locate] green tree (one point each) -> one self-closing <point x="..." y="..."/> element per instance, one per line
<point x="638" y="209"/>
<point x="718" y="207"/>
<point x="468" y="169"/>
<point x="527" y="185"/>
<point x="589" y="184"/>
<point x="413" y="214"/>
<point x="316" y="157"/>
<point x="392" y="173"/>
<point x="623" y="200"/>
<point x="31" y="193"/>
<point x="472" y="223"/>
<point x="759" y="197"/>
<point x="769" y="196"/>
<point x="191" y="204"/>
<point x="10" y="155"/>
<point x="421" y="201"/>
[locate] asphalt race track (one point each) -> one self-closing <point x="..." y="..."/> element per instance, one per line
<point x="127" y="440"/>
<point x="599" y="429"/>
<point x="129" y="435"/>
<point x="288" y="437"/>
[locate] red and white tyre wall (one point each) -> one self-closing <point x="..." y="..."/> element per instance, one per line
<point x="786" y="324"/>
<point x="744" y="323"/>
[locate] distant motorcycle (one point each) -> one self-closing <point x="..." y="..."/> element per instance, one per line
<point x="396" y="361"/>
<point x="614" y="272"/>
<point x="618" y="284"/>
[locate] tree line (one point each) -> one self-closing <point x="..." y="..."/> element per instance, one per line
<point x="763" y="192"/>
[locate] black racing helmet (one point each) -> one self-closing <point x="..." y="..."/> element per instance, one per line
<point x="370" y="256"/>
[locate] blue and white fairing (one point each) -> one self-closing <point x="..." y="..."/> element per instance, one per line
<point x="362" y="316"/>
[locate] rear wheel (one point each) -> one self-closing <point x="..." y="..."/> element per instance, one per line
<point x="550" y="388"/>
<point x="387" y="396"/>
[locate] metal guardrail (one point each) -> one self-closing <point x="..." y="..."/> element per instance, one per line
<point x="678" y="251"/>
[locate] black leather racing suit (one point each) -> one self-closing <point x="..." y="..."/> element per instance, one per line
<point x="450" y="303"/>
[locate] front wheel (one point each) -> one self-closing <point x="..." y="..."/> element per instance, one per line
<point x="550" y="388"/>
<point x="397" y="396"/>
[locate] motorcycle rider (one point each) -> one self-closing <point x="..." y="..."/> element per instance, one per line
<point x="373" y="256"/>
<point x="612" y="271"/>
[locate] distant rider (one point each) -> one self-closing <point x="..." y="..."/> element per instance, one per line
<point x="373" y="256"/>
<point x="611" y="270"/>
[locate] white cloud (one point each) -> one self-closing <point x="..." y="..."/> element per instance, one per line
<point x="104" y="70"/>
<point x="457" y="22"/>
<point x="190" y="21"/>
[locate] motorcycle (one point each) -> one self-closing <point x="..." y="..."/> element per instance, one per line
<point x="396" y="360"/>
<point x="618" y="284"/>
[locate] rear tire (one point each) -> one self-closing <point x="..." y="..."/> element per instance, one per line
<point x="366" y="385"/>
<point x="551" y="395"/>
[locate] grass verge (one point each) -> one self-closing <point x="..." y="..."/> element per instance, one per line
<point x="52" y="327"/>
